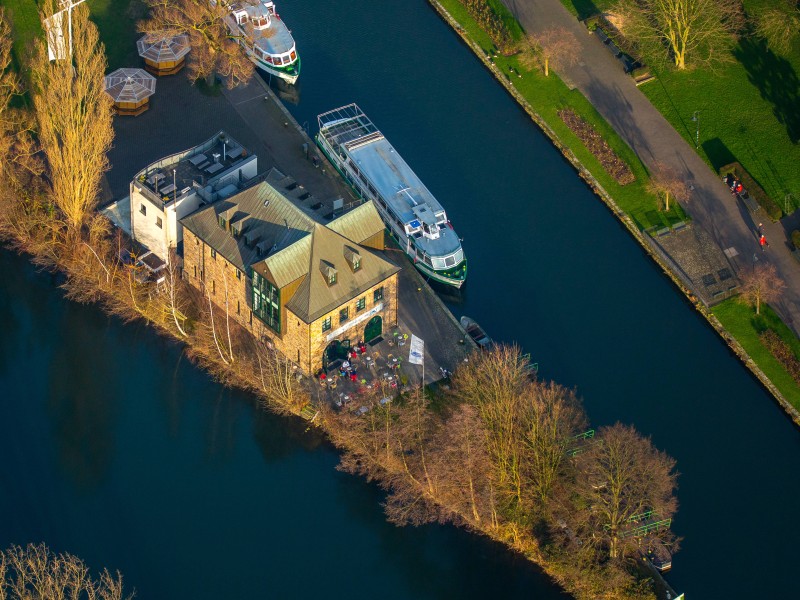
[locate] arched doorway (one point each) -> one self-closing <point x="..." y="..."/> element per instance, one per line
<point x="373" y="329"/>
<point x="336" y="350"/>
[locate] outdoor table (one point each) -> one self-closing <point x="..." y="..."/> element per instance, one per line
<point x="197" y="159"/>
<point x="168" y="189"/>
<point x="214" y="168"/>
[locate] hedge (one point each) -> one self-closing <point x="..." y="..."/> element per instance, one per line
<point x="756" y="191"/>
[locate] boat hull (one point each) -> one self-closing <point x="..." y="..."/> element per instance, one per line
<point x="289" y="77"/>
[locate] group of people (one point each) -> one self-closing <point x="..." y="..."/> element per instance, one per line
<point x="734" y="184"/>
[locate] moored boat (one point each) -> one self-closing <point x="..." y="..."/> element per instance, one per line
<point x="375" y="170"/>
<point x="476" y="332"/>
<point x="264" y="36"/>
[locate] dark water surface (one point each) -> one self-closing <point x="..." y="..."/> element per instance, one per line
<point x="116" y="449"/>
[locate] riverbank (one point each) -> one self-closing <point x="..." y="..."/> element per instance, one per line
<point x="623" y="214"/>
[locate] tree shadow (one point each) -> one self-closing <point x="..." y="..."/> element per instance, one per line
<point x="776" y="80"/>
<point x="585" y="9"/>
<point x="718" y="153"/>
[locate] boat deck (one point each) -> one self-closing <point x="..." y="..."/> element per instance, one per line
<point x="348" y="130"/>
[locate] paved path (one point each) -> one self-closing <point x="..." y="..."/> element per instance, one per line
<point x="599" y="76"/>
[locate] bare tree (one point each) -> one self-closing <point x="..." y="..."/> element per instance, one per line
<point x="35" y="573"/>
<point x="779" y="25"/>
<point x="760" y="285"/>
<point x="552" y="416"/>
<point x="698" y="31"/>
<point x="556" y="46"/>
<point x="625" y="488"/>
<point x="280" y="380"/>
<point x="74" y="117"/>
<point x="461" y="469"/>
<point x="215" y="52"/>
<point x="494" y="382"/>
<point x="666" y="183"/>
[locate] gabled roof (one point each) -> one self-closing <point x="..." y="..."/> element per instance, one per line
<point x="359" y="224"/>
<point x="275" y="224"/>
<point x="315" y="297"/>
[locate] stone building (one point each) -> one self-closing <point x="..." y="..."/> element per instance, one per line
<point x="310" y="289"/>
<point x="166" y="191"/>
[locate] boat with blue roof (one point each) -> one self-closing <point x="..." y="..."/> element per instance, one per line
<point x="377" y="172"/>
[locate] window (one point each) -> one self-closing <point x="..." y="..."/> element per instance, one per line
<point x="222" y="221"/>
<point x="377" y="295"/>
<point x="159" y="222"/>
<point x="195" y="271"/>
<point x="344" y="314"/>
<point x="238" y="274"/>
<point x="267" y="302"/>
<point x="331" y="277"/>
<point x="361" y="304"/>
<point x="326" y="325"/>
<point x="143" y="209"/>
<point x="213" y="254"/>
<point x="356" y="263"/>
<point x="238" y="307"/>
<point x="213" y="287"/>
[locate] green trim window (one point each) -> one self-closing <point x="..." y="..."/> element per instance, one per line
<point x="356" y="263"/>
<point x="326" y="325"/>
<point x="267" y="302"/>
<point x="344" y="314"/>
<point x="331" y="277"/>
<point x="361" y="304"/>
<point x="377" y="295"/>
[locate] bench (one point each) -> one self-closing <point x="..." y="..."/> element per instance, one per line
<point x="749" y="202"/>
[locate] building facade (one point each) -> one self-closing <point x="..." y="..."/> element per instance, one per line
<point x="311" y="290"/>
<point x="172" y="188"/>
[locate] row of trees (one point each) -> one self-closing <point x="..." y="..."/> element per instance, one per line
<point x="496" y="454"/>
<point x="36" y="573"/>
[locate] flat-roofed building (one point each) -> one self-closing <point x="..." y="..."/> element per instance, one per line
<point x="166" y="191"/>
<point x="312" y="289"/>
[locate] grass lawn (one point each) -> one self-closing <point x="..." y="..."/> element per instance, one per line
<point x="549" y="94"/>
<point x="25" y="25"/>
<point x="741" y="321"/>
<point x="749" y="109"/>
<point x="116" y="20"/>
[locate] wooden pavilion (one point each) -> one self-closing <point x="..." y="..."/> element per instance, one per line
<point x="163" y="54"/>
<point x="131" y="90"/>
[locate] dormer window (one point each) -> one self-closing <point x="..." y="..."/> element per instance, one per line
<point x="328" y="272"/>
<point x="353" y="258"/>
<point x="222" y="222"/>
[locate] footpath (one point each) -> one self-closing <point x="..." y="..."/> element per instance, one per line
<point x="599" y="76"/>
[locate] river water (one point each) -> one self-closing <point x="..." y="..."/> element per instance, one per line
<point x="118" y="450"/>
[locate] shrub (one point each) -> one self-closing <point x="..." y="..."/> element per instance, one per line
<point x="594" y="142"/>
<point x="491" y="23"/>
<point x="782" y="352"/>
<point x="796" y="239"/>
<point x="592" y="23"/>
<point x="756" y="191"/>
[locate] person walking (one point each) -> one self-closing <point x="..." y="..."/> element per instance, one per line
<point x="760" y="229"/>
<point x="763" y="241"/>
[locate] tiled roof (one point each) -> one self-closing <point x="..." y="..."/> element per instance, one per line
<point x="275" y="223"/>
<point x="315" y="297"/>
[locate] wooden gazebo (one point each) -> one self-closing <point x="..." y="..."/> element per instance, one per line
<point x="162" y="54"/>
<point x="131" y="90"/>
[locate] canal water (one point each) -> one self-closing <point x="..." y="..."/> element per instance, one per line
<point x="116" y="449"/>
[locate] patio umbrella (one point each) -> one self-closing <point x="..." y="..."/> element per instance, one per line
<point x="130" y="86"/>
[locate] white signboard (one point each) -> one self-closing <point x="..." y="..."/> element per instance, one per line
<point x="416" y="354"/>
<point x="56" y="36"/>
<point x="350" y="324"/>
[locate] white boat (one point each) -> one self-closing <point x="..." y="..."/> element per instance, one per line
<point x="378" y="173"/>
<point x="266" y="39"/>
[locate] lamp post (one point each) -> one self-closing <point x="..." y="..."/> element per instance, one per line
<point x="696" y="119"/>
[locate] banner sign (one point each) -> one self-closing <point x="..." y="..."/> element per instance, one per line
<point x="416" y="354"/>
